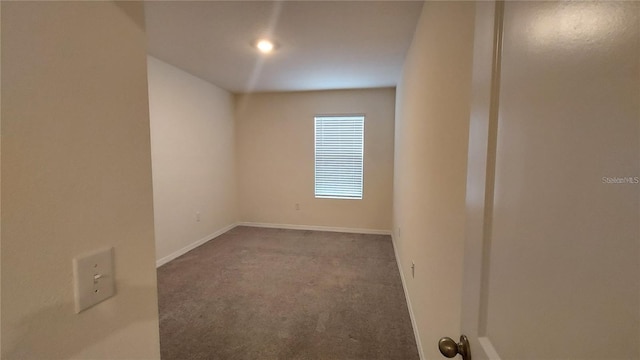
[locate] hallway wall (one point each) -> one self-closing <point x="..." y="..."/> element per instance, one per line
<point x="431" y="139"/>
<point x="76" y="177"/>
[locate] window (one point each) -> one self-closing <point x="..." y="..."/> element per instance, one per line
<point x="339" y="156"/>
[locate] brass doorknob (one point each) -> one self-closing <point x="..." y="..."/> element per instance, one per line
<point x="449" y="348"/>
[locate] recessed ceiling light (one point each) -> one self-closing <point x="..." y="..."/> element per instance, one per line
<point x="265" y="46"/>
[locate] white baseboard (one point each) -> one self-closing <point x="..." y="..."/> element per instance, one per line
<point x="193" y="245"/>
<point x="317" y="228"/>
<point x="416" y="333"/>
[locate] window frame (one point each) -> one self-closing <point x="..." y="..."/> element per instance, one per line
<point x="351" y="117"/>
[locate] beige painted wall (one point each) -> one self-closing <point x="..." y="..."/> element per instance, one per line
<point x="432" y="126"/>
<point x="192" y="148"/>
<point x="76" y="177"/>
<point x="275" y="158"/>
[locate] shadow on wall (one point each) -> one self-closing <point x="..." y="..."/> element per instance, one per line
<point x="134" y="13"/>
<point x="42" y="342"/>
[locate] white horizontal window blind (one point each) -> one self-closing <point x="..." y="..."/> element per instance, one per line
<point x="339" y="156"/>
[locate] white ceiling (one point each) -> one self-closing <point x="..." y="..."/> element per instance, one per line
<point x="322" y="44"/>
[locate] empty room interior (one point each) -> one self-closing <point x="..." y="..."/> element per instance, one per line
<point x="320" y="180"/>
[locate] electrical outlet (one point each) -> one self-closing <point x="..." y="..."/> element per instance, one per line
<point x="197" y="216"/>
<point x="413" y="270"/>
<point x="297" y="206"/>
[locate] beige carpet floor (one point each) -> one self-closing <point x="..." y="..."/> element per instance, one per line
<point x="257" y="293"/>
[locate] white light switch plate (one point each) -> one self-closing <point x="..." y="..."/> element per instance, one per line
<point x="93" y="278"/>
